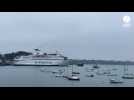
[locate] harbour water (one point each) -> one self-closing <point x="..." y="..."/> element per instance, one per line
<point x="45" y="76"/>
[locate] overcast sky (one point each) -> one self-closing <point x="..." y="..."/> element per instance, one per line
<point x="82" y="35"/>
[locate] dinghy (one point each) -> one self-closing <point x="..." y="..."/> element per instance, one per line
<point x="115" y="81"/>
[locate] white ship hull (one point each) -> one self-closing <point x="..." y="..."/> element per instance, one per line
<point x="41" y="59"/>
<point x="40" y="63"/>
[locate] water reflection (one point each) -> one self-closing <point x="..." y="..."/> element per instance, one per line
<point x="54" y="76"/>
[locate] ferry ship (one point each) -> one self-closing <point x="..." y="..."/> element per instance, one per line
<point x="41" y="59"/>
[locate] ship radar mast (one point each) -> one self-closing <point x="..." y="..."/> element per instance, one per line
<point x="37" y="51"/>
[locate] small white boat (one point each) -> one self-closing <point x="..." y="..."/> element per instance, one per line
<point x="115" y="81"/>
<point x="72" y="78"/>
<point x="128" y="76"/>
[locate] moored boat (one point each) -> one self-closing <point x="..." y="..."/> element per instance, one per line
<point x="41" y="59"/>
<point x="115" y="81"/>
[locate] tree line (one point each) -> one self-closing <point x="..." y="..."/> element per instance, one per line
<point x="11" y="56"/>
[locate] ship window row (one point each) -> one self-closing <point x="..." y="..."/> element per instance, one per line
<point x="42" y="62"/>
<point x="46" y="59"/>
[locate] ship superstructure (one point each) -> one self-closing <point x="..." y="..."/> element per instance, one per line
<point x="41" y="59"/>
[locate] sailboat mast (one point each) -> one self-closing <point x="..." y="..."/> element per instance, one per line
<point x="72" y="70"/>
<point x="125" y="69"/>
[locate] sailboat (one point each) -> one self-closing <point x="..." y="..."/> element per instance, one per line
<point x="95" y="66"/>
<point x="127" y="75"/>
<point x="74" y="72"/>
<point x="72" y="76"/>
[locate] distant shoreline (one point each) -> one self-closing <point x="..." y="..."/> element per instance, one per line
<point x="102" y="62"/>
